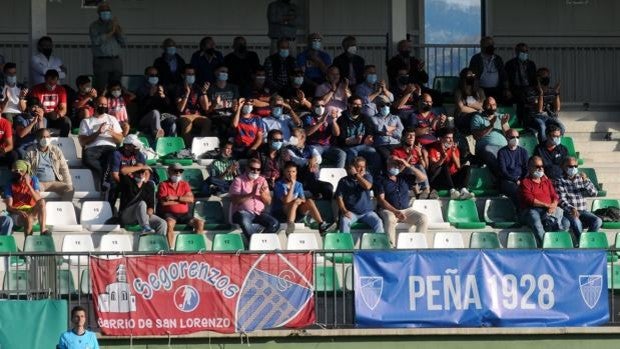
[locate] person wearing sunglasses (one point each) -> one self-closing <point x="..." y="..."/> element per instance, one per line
<point x="512" y="162"/>
<point x="250" y="195"/>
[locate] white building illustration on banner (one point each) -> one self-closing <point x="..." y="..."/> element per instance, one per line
<point x="118" y="297"/>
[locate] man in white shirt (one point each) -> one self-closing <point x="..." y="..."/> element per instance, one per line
<point x="13" y="100"/>
<point x="99" y="136"/>
<point x="44" y="61"/>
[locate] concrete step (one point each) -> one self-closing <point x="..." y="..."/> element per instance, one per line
<point x="579" y="136"/>
<point x="591" y="126"/>
<point x="588" y="147"/>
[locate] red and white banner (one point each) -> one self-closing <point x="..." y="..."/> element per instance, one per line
<point x="180" y="294"/>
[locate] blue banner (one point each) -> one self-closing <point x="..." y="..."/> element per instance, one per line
<point x="473" y="288"/>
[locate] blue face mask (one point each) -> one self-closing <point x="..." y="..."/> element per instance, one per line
<point x="276" y="112"/>
<point x="138" y="179"/>
<point x="283" y="52"/>
<point x="153" y="80"/>
<point x="557" y="140"/>
<point x="316" y="45"/>
<point x="190" y="79"/>
<point x="247" y="109"/>
<point x="572" y="171"/>
<point x="222" y="76"/>
<point x="385" y="110"/>
<point x="538" y="174"/>
<point x="105" y="15"/>
<point x="276" y="145"/>
<point x="171" y="51"/>
<point x="298" y="80"/>
<point x="11" y="80"/>
<point x="371" y="78"/>
<point x="393" y="171"/>
<point x="523" y="56"/>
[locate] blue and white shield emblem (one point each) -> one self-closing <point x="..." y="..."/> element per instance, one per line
<point x="371" y="288"/>
<point x="590" y="287"/>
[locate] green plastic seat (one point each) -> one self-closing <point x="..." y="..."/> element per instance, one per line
<point x="613" y="277"/>
<point x="64" y="282"/>
<point x="162" y="173"/>
<point x="510" y="110"/>
<point x="153" y="243"/>
<point x="325" y="279"/>
<point x="596" y="240"/>
<point x="39" y="243"/>
<point x="518" y="239"/>
<point x="591" y="174"/>
<point x="190" y="243"/>
<point x="16" y="281"/>
<point x="85" y="287"/>
<point x="8" y="245"/>
<point x="500" y="213"/>
<point x="482" y="182"/>
<point x="145" y="142"/>
<point x="360" y="226"/>
<point x="212" y="213"/>
<point x="75" y="131"/>
<point x="570" y="146"/>
<point x="557" y="239"/>
<point x="484" y="239"/>
<point x="195" y="178"/>
<point x="529" y="142"/>
<point x="604" y="203"/>
<point x="228" y="243"/>
<point x="375" y="241"/>
<point x="168" y="145"/>
<point x="463" y="214"/>
<point x="338" y="241"/>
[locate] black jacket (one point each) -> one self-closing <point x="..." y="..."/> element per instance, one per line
<point x="167" y="77"/>
<point x="343" y="63"/>
<point x="477" y="66"/>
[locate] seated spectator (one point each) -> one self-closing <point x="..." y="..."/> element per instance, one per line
<point x="543" y="105"/>
<point x="279" y="66"/>
<point x="222" y="171"/>
<point x="248" y="130"/>
<point x="84" y="103"/>
<point x="155" y="108"/>
<point x="334" y="92"/>
<point x="27" y="124"/>
<point x="350" y="64"/>
<point x="118" y="99"/>
<point x="169" y="65"/>
<point x="406" y="94"/>
<point x="13" y="95"/>
<point x="489" y="68"/>
<point x="552" y="152"/>
<point x="259" y="92"/>
<point x="387" y="129"/>
<point x="424" y="116"/>
<point x="356" y="135"/>
<point x="489" y="132"/>
<point x="241" y="64"/>
<point x="223" y="102"/>
<point x="412" y="66"/>
<point x="54" y="100"/>
<point x="512" y="161"/>
<point x="353" y="198"/>
<point x="270" y="155"/>
<point x="314" y="61"/>
<point x="370" y="87"/>
<point x="130" y="156"/>
<point x="78" y="336"/>
<point x="572" y="189"/>
<point x="175" y="197"/>
<point x="539" y="201"/>
<point x="415" y="155"/>
<point x="249" y="194"/>
<point x="296" y="91"/>
<point x="43" y="61"/>
<point x="205" y="60"/>
<point x="192" y="105"/>
<point x="49" y="165"/>
<point x="138" y="201"/>
<point x="99" y="137"/>
<point x="521" y="74"/>
<point x="282" y="118"/>
<point x="308" y="160"/>
<point x="468" y="98"/>
<point x="290" y="201"/>
<point x="445" y="169"/>
<point x="23" y="199"/>
<point x="7" y="153"/>
<point x="322" y="129"/>
<point x="392" y="193"/>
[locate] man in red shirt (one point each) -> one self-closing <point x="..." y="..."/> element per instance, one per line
<point x="175" y="196"/>
<point x="445" y="169"/>
<point x="54" y="100"/>
<point x="7" y="155"/>
<point x="539" y="201"/>
<point x="248" y="130"/>
<point x="415" y="155"/>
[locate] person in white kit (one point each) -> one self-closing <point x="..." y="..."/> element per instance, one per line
<point x="13" y="100"/>
<point x="44" y="61"/>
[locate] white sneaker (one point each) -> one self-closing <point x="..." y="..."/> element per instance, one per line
<point x="465" y="194"/>
<point x="454" y="194"/>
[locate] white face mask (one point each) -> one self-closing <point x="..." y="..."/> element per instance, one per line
<point x="175" y="179"/>
<point x="514" y="142"/>
<point x="247" y="109"/>
<point x="253" y="175"/>
<point x="44" y="142"/>
<point x="352" y="50"/>
<point x="319" y="110"/>
<point x="116" y="93"/>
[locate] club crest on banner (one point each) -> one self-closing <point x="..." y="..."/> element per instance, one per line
<point x="372" y="288"/>
<point x="590" y="287"/>
<point x="118" y="297"/>
<point x="186" y="298"/>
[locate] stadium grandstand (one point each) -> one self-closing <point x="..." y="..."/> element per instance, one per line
<point x="297" y="173"/>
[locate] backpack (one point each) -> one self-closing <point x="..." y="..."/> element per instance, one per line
<point x="608" y="214"/>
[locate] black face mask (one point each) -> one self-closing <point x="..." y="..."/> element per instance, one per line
<point x="16" y="176"/>
<point x="405" y="54"/>
<point x="210" y="51"/>
<point x="356" y="110"/>
<point x="545" y="81"/>
<point x="489" y="50"/>
<point x="403" y="80"/>
<point x="470" y="80"/>
<point x="46" y="51"/>
<point x="490" y="111"/>
<point x="101" y="110"/>
<point x="242" y="49"/>
<point x="426" y="107"/>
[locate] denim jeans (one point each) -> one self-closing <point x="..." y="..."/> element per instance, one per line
<point x="533" y="218"/>
<point x="247" y="221"/>
<point x="371" y="218"/>
<point x="587" y="219"/>
<point x="334" y="154"/>
<point x="541" y="121"/>
<point x="6" y="225"/>
<point x="96" y="159"/>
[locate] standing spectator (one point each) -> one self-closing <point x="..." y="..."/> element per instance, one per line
<point x="282" y="118"/>
<point x="489" y="132"/>
<point x="353" y="198"/>
<point x="552" y="152"/>
<point x="222" y="172"/>
<point x="416" y="156"/>
<point x="138" y="201"/>
<point x="322" y="129"/>
<point x="13" y="95"/>
<point x="27" y="124"/>
<point x="249" y="194"/>
<point x="512" y="160"/>
<point x="279" y="66"/>
<point x="49" y="165"/>
<point x="445" y="169"/>
<point x="118" y="99"/>
<point x="414" y="67"/>
<point x="539" y="201"/>
<point x="129" y="155"/>
<point x="258" y="91"/>
<point x="270" y="155"/>
<point x="99" y="136"/>
<point x="78" y="336"/>
<point x="241" y="64"/>
<point x="205" y="60"/>
<point x="155" y="107"/>
<point x="356" y="135"/>
<point x="106" y="37"/>
<point x="43" y="61"/>
<point x="392" y="192"/>
<point x="370" y="87"/>
<point x="387" y="128"/>
<point x="192" y="104"/>
<point x="23" y="199"/>
<point x="543" y="106"/>
<point x="7" y="153"/>
<point x="350" y="64"/>
<point x="489" y="68"/>
<point x="169" y="65"/>
<point x="53" y="97"/>
<point x="521" y="72"/>
<point x="314" y="61"/>
<point x="572" y="189"/>
<point x="84" y="103"/>
<point x="308" y="160"/>
<point x="469" y="98"/>
<point x="281" y="19"/>
<point x="248" y="129"/>
<point x="334" y="92"/>
<point x="175" y="197"/>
